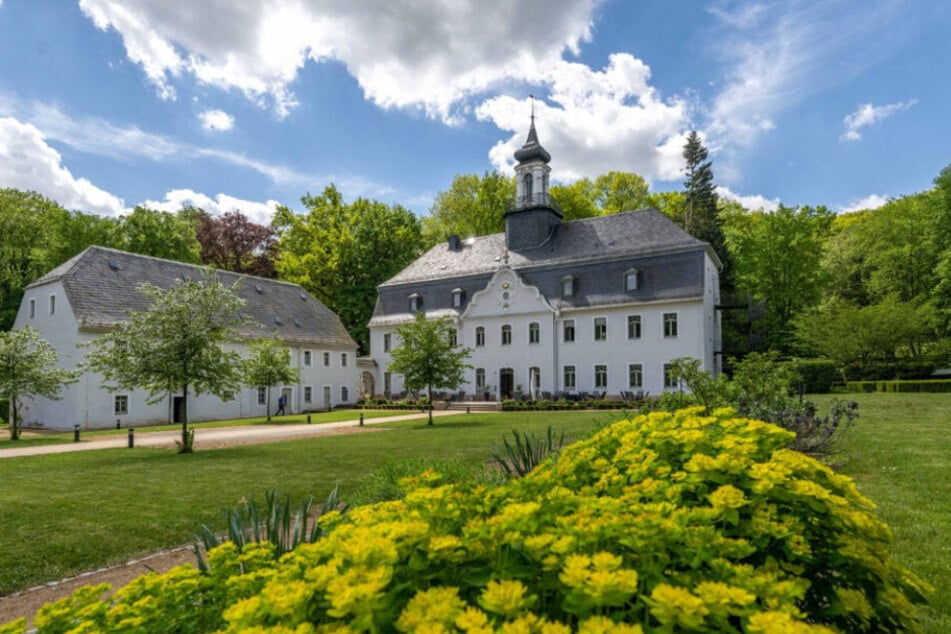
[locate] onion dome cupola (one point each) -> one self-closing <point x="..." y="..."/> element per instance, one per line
<point x="531" y="220"/>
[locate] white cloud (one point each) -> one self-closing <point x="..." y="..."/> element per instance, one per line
<point x="597" y="121"/>
<point x="28" y="162"/>
<point x="872" y="201"/>
<point x="867" y="114"/>
<point x="451" y="50"/>
<point x="175" y="199"/>
<point x="216" y="120"/>
<point x="753" y="202"/>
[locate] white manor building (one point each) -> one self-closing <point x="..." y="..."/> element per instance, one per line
<point x="598" y="306"/>
<point x="87" y="295"/>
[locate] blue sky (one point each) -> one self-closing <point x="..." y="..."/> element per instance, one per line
<point x="107" y="104"/>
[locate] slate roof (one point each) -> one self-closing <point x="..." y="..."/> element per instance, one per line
<point x="102" y="285"/>
<point x="621" y="235"/>
<point x="532" y="148"/>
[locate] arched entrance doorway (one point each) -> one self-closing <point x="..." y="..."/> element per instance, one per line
<point x="506" y="382"/>
<point x="366" y="386"/>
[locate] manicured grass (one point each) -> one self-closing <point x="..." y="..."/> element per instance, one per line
<point x="65" y="513"/>
<point x="899" y="453"/>
<point x="52" y="438"/>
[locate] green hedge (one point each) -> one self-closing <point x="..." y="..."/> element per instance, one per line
<point x="933" y="385"/>
<point x="817" y="375"/>
<point x="669" y="522"/>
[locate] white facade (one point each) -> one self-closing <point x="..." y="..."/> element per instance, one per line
<point x="606" y="341"/>
<point x="328" y="377"/>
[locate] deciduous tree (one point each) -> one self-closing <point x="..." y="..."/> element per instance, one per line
<point x="158" y="233"/>
<point x="29" y="367"/>
<point x="268" y="365"/>
<point x="427" y="358"/>
<point x="472" y="206"/>
<point x="174" y="345"/>
<point x="340" y="252"/>
<point x="234" y="243"/>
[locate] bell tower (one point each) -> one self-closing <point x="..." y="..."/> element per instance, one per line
<point x="531" y="220"/>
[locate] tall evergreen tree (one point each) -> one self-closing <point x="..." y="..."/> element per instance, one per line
<point x="700" y="205"/>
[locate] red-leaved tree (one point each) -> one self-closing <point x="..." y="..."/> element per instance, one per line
<point x="234" y="243"/>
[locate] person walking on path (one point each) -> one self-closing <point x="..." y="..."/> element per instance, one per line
<point x="281" y="402"/>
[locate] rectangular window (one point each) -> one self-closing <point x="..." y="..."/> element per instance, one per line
<point x="387" y="384"/>
<point x="480" y="380"/>
<point x="600" y="376"/>
<point x="569" y="372"/>
<point x="387" y="341"/>
<point x="326" y="359"/>
<point x="506" y="335"/>
<point x="569" y="330"/>
<point x="534" y="332"/>
<point x="227" y="395"/>
<point x="670" y="378"/>
<point x="344" y="393"/>
<point x="635" y="375"/>
<point x="670" y="324"/>
<point x="262" y="396"/>
<point x="32" y="308"/>
<point x="633" y="326"/>
<point x="308" y="394"/>
<point x="308" y="358"/>
<point x="52" y="304"/>
<point x="567" y="286"/>
<point x="453" y="337"/>
<point x="343" y="359"/>
<point x="120" y="405"/>
<point x="480" y="336"/>
<point x="600" y="328"/>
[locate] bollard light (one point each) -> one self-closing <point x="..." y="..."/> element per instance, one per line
<point x="118" y="425"/>
<point x="361" y="419"/>
<point x="131" y="438"/>
<point x="467" y="408"/>
<point x="75" y="433"/>
<point x="308" y="419"/>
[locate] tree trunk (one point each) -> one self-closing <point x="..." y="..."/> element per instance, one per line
<point x="14" y="428"/>
<point x="429" y="391"/>
<point x="268" y="388"/>
<point x="186" y="447"/>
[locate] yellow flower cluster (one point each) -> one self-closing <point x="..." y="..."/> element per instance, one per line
<point x="668" y="522"/>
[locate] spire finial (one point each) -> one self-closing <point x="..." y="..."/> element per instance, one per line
<point x="532" y="97"/>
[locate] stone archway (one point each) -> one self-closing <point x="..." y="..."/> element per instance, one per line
<point x="366" y="385"/>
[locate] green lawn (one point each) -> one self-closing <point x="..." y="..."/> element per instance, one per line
<point x="70" y="512"/>
<point x="900" y="455"/>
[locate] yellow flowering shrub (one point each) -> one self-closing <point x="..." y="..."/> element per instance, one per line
<point x="669" y="522"/>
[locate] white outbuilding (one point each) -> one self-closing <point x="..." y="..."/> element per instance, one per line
<point x="87" y="295"/>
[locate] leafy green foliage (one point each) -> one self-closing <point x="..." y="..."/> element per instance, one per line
<point x="268" y="365"/>
<point x="776" y="256"/>
<point x="160" y="234"/>
<point x="29" y="367"/>
<point x="383" y="484"/>
<point x="472" y="206"/>
<point x="340" y="252"/>
<point x="427" y="358"/>
<point x="176" y="344"/>
<point x="816" y="376"/>
<point x="700" y="214"/>
<point x="526" y="451"/>
<point x="669" y="522"/>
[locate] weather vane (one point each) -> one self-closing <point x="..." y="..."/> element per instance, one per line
<point x="532" y="97"/>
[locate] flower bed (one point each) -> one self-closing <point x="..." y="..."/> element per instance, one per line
<point x="667" y="522"/>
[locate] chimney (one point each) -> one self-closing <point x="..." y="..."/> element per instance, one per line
<point x="455" y="243"/>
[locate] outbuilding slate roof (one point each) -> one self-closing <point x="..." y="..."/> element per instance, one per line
<point x="102" y="285"/>
<point x="626" y="234"/>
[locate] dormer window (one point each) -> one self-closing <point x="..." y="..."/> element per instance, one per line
<point x="457" y="297"/>
<point x="415" y="303"/>
<point x="630" y="280"/>
<point x="568" y="286"/>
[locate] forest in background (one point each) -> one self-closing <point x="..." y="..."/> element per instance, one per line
<point x="869" y="290"/>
